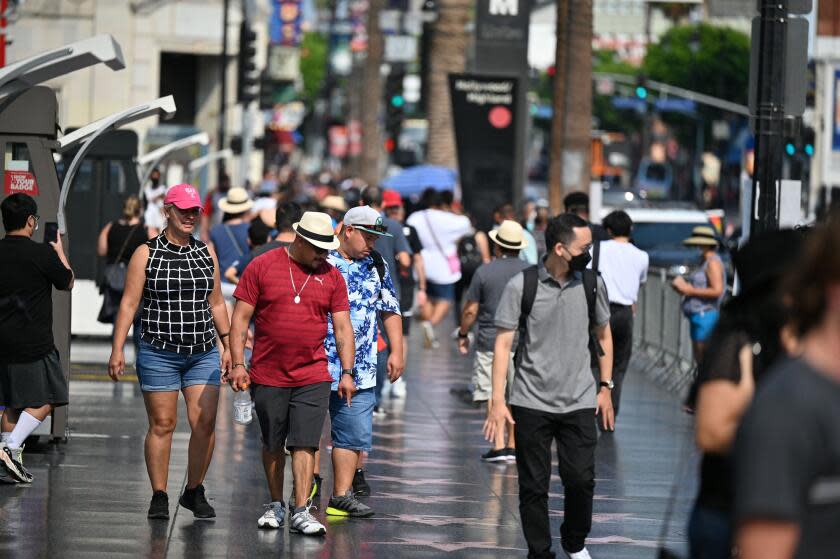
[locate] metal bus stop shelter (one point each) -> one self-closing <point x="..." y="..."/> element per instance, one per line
<point x="28" y="140"/>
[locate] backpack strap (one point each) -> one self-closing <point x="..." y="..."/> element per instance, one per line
<point x="590" y="289"/>
<point x="530" y="281"/>
<point x="596" y="256"/>
<point x="379" y="264"/>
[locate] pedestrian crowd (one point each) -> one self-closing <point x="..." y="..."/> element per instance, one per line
<point x="302" y="297"/>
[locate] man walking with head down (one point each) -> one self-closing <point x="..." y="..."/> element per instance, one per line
<point x="290" y="292"/>
<point x="371" y="292"/>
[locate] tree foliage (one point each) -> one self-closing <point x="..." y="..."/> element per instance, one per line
<point x="706" y="58"/>
<point x="313" y="64"/>
<point x="607" y="116"/>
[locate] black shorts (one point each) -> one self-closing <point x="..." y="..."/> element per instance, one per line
<point x="33" y="384"/>
<point x="406" y="324"/>
<point x="291" y="417"/>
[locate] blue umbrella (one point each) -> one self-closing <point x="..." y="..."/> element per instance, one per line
<point x="414" y="180"/>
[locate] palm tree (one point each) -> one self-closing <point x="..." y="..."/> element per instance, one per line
<point x="447" y="55"/>
<point x="372" y="97"/>
<point x="569" y="167"/>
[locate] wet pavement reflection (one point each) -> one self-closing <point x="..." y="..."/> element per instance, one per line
<point x="432" y="495"/>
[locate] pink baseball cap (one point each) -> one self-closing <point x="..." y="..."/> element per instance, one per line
<point x="183" y="196"/>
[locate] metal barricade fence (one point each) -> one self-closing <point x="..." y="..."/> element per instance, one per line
<point x="662" y="345"/>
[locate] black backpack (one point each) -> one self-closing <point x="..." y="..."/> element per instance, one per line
<point x="469" y="256"/>
<point x="529" y="295"/>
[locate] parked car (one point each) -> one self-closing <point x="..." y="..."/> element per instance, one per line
<point x="654" y="181"/>
<point x="660" y="230"/>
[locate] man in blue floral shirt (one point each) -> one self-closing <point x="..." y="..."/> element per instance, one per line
<point x="370" y="291"/>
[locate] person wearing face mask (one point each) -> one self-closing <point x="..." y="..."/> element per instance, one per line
<point x="554" y="396"/>
<point x="31" y="381"/>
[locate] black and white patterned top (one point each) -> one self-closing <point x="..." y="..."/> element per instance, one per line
<point x="176" y="314"/>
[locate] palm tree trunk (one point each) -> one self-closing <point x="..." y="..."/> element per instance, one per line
<point x="448" y="55"/>
<point x="569" y="167"/>
<point x="372" y="97"/>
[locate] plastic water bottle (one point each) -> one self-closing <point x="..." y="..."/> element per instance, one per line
<point x="242" y="407"/>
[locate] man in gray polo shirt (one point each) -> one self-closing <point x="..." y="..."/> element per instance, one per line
<point x="555" y="397"/>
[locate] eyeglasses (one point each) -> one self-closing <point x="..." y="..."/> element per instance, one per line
<point x="36" y="217"/>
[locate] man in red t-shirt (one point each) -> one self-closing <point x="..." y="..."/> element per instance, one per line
<point x="291" y="293"/>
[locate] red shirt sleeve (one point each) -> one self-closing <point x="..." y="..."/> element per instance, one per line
<point x="207" y="210"/>
<point x="340" y="301"/>
<point x="248" y="288"/>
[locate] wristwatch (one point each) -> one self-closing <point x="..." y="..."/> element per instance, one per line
<point x="347" y="372"/>
<point x="463" y="336"/>
<point x="607" y="384"/>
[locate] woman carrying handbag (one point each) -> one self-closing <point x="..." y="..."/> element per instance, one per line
<point x="117" y="242"/>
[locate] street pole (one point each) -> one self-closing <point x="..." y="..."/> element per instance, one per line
<point x="248" y="10"/>
<point x="770" y="116"/>
<point x="4" y="7"/>
<point x="223" y="79"/>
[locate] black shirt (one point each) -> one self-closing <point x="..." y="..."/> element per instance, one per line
<point x="787" y="456"/>
<point x="406" y="275"/>
<point x="723" y="363"/>
<point x="122" y="235"/>
<point x="28" y="272"/>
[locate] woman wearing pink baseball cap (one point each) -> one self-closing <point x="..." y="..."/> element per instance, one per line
<point x="182" y="319"/>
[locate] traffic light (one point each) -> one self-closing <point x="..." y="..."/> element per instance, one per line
<point x="808" y="141"/>
<point x="248" y="77"/>
<point x="641" y="87"/>
<point x="394" y="103"/>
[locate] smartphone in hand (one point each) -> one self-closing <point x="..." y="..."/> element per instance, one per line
<point x="51" y="232"/>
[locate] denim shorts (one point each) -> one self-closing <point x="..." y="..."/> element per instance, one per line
<point x="702" y="324"/>
<point x="352" y="427"/>
<point x="160" y="370"/>
<point x="440" y="291"/>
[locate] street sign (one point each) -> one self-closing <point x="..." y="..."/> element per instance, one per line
<point x="413" y="23"/>
<point x="400" y="48"/>
<point x="796" y="65"/>
<point x="675" y="105"/>
<point x="389" y="21"/>
<point x="283" y="63"/>
<point x="800" y="7"/>
<point x="629" y="103"/>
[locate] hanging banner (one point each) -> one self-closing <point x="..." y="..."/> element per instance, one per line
<point x="484" y="114"/>
<point x="284" y="27"/>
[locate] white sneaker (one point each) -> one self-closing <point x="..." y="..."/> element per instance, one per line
<point x="582" y="554"/>
<point x="398" y="389"/>
<point x="429" y="338"/>
<point x="304" y="523"/>
<point x="275" y="515"/>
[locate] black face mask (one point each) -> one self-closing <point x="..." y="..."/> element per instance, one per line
<point x="578" y="263"/>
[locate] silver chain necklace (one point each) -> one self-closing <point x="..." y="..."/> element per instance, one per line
<point x="297" y="293"/>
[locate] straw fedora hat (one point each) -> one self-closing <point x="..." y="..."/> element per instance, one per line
<point x="509" y="235"/>
<point x="316" y="228"/>
<point x="236" y="201"/>
<point x="702" y="236"/>
<point x="333" y="202"/>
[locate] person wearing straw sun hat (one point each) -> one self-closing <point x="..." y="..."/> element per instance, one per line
<point x="704" y="289"/>
<point x="229" y="239"/>
<point x="292" y="293"/>
<point x="480" y="302"/>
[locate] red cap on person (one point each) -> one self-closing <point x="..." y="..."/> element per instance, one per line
<point x="183" y="196"/>
<point x="391" y="199"/>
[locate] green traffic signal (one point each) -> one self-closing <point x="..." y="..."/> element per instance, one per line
<point x="641" y="92"/>
<point x="397" y="101"/>
<point x="790" y="149"/>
